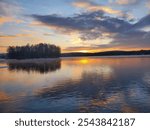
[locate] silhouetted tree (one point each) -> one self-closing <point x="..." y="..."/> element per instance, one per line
<point x="41" y="50"/>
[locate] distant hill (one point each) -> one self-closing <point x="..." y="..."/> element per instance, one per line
<point x="107" y="53"/>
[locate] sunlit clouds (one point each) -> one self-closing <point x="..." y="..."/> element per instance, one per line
<point x="9" y="12"/>
<point x="126" y="2"/>
<point x="93" y="7"/>
<point x="76" y="25"/>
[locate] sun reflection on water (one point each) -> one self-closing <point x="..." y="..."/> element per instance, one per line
<point x="84" y="61"/>
<point x="80" y="84"/>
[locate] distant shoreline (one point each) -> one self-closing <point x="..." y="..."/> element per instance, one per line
<point x="113" y="56"/>
<point x="96" y="54"/>
<point x="54" y="59"/>
<point x="107" y="53"/>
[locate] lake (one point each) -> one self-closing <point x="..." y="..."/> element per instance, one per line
<point x="81" y="84"/>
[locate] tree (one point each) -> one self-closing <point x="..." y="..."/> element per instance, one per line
<point x="41" y="50"/>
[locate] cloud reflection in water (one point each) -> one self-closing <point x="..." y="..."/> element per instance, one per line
<point x="81" y="85"/>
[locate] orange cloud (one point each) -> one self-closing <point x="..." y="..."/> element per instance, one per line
<point x="20" y="39"/>
<point x="9" y="19"/>
<point x="93" y="7"/>
<point x="5" y="19"/>
<point x="7" y="36"/>
<point x="86" y="49"/>
<point x="3" y="49"/>
<point x="102" y="49"/>
<point x="17" y="35"/>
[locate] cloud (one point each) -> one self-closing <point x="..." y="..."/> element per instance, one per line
<point x="48" y="34"/>
<point x="9" y="19"/>
<point x="95" y="25"/>
<point x="3" y="49"/>
<point x="135" y="39"/>
<point x="143" y="22"/>
<point x="147" y="4"/>
<point x="90" y="6"/>
<point x="14" y="36"/>
<point x="5" y="20"/>
<point x="89" y="25"/>
<point x="79" y="48"/>
<point x="7" y="36"/>
<point x="127" y="2"/>
<point x="9" y="11"/>
<point x="9" y="8"/>
<point x="137" y="36"/>
<point x="92" y="48"/>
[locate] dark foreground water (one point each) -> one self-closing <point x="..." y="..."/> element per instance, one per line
<point x="96" y="84"/>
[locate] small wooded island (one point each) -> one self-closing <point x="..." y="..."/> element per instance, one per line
<point x="41" y="50"/>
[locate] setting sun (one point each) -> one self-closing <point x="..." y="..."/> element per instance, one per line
<point x="84" y="51"/>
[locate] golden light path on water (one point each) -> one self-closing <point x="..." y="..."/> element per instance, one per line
<point x="93" y="84"/>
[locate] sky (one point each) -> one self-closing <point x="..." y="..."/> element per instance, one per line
<point x="76" y="25"/>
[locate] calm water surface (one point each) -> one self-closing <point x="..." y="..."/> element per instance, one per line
<point x="96" y="84"/>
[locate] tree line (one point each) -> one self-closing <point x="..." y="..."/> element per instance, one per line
<point x="41" y="50"/>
